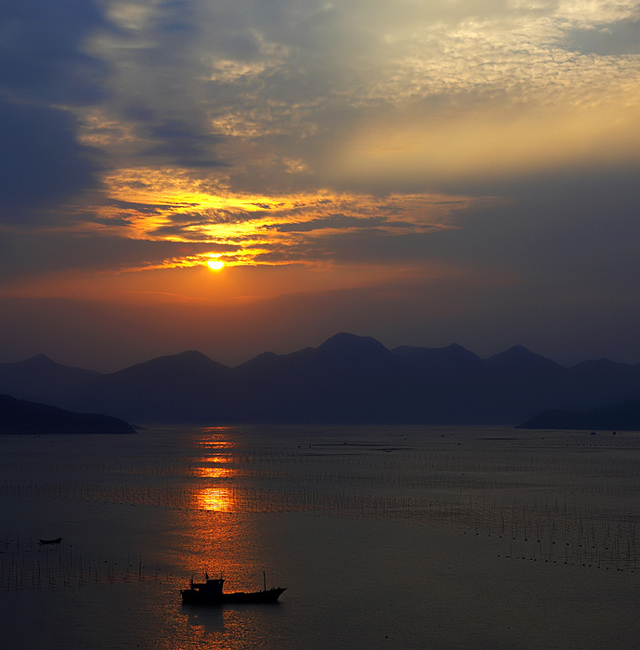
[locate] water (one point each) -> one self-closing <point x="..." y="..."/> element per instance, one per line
<point x="386" y="537"/>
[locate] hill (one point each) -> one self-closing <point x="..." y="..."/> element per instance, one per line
<point x="42" y="380"/>
<point x="621" y="417"/>
<point x="22" y="417"/>
<point x="348" y="379"/>
<point x="185" y="387"/>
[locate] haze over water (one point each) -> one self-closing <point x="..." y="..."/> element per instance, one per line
<point x="385" y="537"/>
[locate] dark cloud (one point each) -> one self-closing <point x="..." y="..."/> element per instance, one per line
<point x="186" y="223"/>
<point x="43" y="64"/>
<point x="41" y="163"/>
<point x="612" y="39"/>
<point x="297" y="253"/>
<point x="335" y="221"/>
<point x="24" y="253"/>
<point x="194" y="231"/>
<point x="182" y="144"/>
<point x="567" y="253"/>
<point x="147" y="208"/>
<point x="42" y="55"/>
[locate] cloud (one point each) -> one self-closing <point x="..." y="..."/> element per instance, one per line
<point x="612" y="39"/>
<point x="41" y="164"/>
<point x="43" y="58"/>
<point x="183" y="145"/>
<point x="481" y="145"/>
<point x="28" y="254"/>
<point x="236" y="91"/>
<point x="451" y="159"/>
<point x="569" y="242"/>
<point x="45" y="71"/>
<point x="336" y="221"/>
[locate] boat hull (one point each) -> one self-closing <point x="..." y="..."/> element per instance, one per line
<point x="196" y="597"/>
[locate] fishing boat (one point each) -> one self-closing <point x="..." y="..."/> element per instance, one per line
<point x="211" y="592"/>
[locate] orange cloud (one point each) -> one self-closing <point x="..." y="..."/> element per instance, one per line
<point x="243" y="229"/>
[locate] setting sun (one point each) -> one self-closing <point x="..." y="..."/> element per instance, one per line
<point x="216" y="265"/>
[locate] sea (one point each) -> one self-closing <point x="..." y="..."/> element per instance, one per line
<point x="398" y="538"/>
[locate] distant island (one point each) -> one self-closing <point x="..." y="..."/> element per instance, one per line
<point x="348" y="379"/>
<point x="22" y="417"/>
<point x="615" y="417"/>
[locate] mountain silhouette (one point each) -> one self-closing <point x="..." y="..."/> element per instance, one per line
<point x="185" y="387"/>
<point x="525" y="381"/>
<point x="621" y="417"/>
<point x="42" y="380"/>
<point x="348" y="379"/>
<point x="23" y="417"/>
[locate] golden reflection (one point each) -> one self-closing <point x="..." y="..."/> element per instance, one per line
<point x="212" y="468"/>
<point x="213" y="539"/>
<point x="215" y="499"/>
<point x="215" y="444"/>
<point x="212" y="472"/>
<point x="214" y="461"/>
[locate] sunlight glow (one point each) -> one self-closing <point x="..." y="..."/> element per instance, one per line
<point x="215" y="499"/>
<point x="213" y="472"/>
<point x="218" y="228"/>
<point x="211" y="468"/>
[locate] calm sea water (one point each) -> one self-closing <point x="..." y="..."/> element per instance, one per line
<point x="385" y="537"/>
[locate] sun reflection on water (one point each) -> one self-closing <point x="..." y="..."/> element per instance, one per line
<point x="214" y="461"/>
<point x="218" y="536"/>
<point x="215" y="499"/>
<point x="216" y="445"/>
<point x="216" y="458"/>
<point x="216" y="429"/>
<point x="211" y="468"/>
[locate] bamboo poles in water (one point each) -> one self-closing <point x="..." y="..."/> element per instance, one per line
<point x="30" y="566"/>
<point x="551" y="503"/>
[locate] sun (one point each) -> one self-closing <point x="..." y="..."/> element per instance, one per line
<point x="214" y="264"/>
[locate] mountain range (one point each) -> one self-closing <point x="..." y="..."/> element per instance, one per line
<point x="624" y="416"/>
<point x="22" y="417"/>
<point x="348" y="379"/>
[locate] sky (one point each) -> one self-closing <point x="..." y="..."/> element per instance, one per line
<point x="423" y="172"/>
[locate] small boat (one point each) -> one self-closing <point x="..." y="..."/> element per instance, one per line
<point x="211" y="593"/>
<point x="57" y="540"/>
